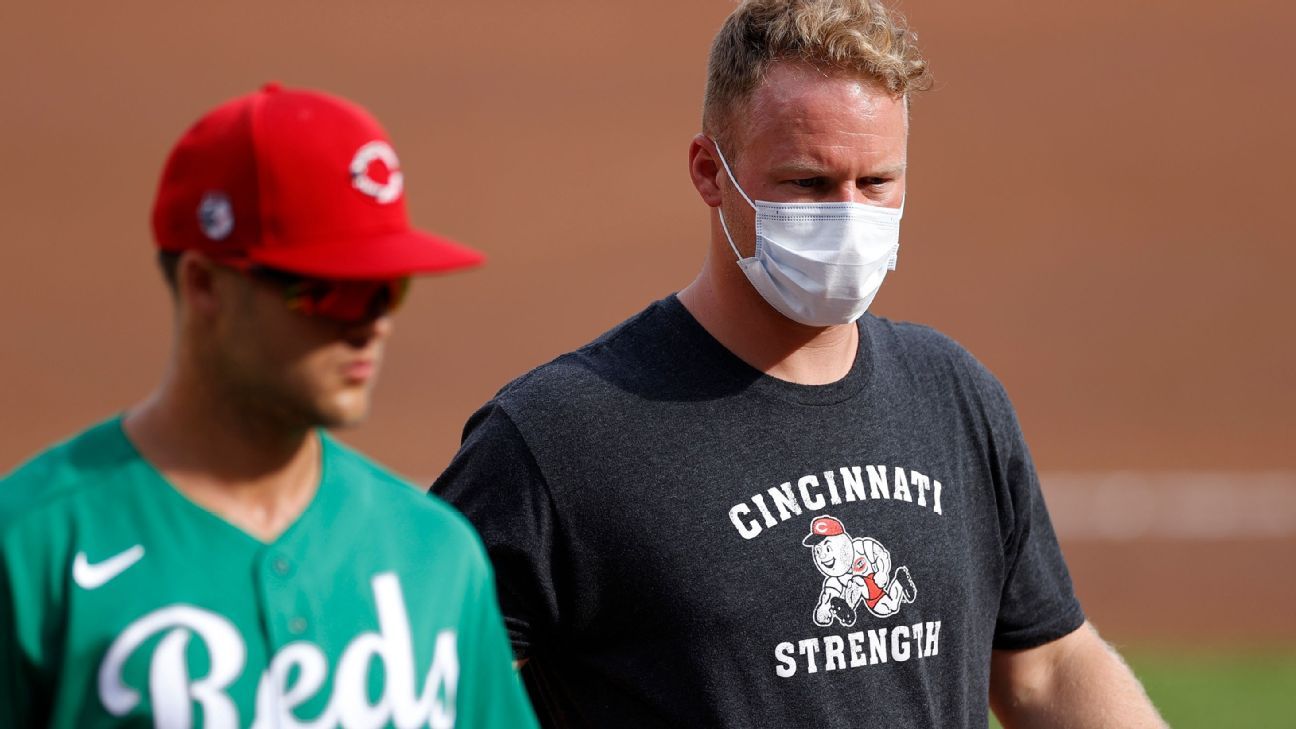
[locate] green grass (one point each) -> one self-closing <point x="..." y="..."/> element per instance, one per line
<point x="1196" y="689"/>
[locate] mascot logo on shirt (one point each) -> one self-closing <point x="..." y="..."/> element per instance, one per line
<point x="856" y="571"/>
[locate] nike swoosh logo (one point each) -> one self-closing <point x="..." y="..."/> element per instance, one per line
<point x="93" y="576"/>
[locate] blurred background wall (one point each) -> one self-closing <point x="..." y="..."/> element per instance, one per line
<point x="1099" y="208"/>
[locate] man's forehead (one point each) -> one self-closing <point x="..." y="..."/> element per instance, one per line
<point x="797" y="98"/>
<point x="793" y="85"/>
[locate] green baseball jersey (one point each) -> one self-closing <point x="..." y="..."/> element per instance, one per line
<point x="125" y="604"/>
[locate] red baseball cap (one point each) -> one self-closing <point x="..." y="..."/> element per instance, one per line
<point x="821" y="528"/>
<point x="299" y="181"/>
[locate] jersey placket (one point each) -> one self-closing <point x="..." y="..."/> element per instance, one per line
<point x="283" y="611"/>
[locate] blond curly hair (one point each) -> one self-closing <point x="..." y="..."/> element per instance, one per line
<point x="857" y="37"/>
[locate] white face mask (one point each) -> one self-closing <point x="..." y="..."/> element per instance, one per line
<point x="819" y="264"/>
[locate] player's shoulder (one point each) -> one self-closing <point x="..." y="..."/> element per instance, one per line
<point x="392" y="499"/>
<point x="929" y="355"/>
<point x="77" y="467"/>
<point x="913" y="339"/>
<point x="586" y="375"/>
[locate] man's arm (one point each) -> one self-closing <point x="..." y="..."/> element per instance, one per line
<point x="495" y="482"/>
<point x="490" y="691"/>
<point x="1077" y="681"/>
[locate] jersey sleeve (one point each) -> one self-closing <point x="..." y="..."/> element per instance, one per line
<point x="1038" y="603"/>
<point x="18" y="685"/>
<point x="495" y="481"/>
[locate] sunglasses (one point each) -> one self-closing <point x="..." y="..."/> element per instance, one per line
<point x="339" y="300"/>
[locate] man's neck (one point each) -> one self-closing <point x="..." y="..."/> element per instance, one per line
<point x="255" y="473"/>
<point x="727" y="306"/>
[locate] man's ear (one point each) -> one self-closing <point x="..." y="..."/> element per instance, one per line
<point x="196" y="283"/>
<point x="705" y="169"/>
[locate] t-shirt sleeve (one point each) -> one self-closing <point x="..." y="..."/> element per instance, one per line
<point x="495" y="481"/>
<point x="1038" y="603"/>
<point x="491" y="694"/>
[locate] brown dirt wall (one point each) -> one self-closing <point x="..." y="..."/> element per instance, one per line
<point x="1098" y="208"/>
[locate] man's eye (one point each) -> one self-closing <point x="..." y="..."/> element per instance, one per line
<point x="872" y="181"/>
<point x="808" y="182"/>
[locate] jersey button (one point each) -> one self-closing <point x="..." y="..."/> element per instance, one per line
<point x="281" y="566"/>
<point x="297" y="626"/>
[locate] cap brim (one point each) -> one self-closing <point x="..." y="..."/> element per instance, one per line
<point x="390" y="255"/>
<point x="812" y="540"/>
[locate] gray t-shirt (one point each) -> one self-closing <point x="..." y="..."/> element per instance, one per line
<point x="683" y="541"/>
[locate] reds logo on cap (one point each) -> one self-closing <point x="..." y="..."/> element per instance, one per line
<point x="826" y="526"/>
<point x="380" y="152"/>
<point x="821" y="528"/>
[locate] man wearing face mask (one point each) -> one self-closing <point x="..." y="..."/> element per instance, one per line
<point x="648" y="499"/>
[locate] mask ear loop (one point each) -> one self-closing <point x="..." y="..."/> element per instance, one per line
<point x="729" y="172"/>
<point x="737" y="187"/>
<point x="728" y="237"/>
<point x="895" y="252"/>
